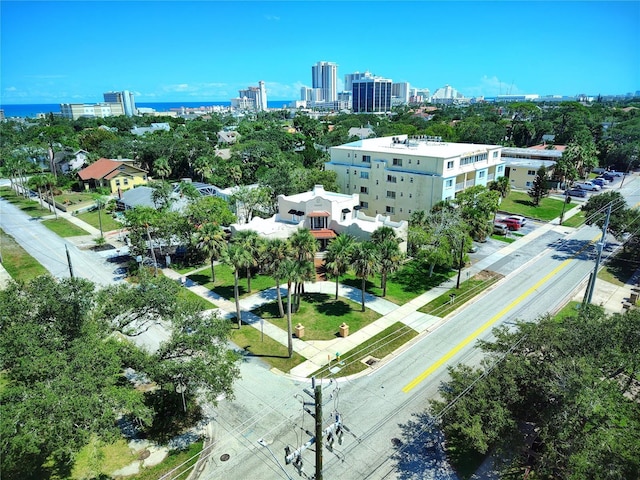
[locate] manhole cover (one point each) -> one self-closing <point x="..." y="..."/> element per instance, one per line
<point x="370" y="361"/>
<point x="224" y="457"/>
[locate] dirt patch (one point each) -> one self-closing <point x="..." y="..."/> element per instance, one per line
<point x="102" y="248"/>
<point x="487" y="275"/>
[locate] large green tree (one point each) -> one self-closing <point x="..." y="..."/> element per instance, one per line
<point x="558" y="397"/>
<point x="338" y="257"/>
<point x="365" y="261"/>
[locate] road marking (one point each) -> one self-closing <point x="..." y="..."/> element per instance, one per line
<point x="420" y="378"/>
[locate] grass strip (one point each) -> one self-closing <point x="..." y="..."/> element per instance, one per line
<point x="442" y="306"/>
<point x="108" y="222"/>
<point x="264" y="347"/>
<point x="174" y="460"/>
<point x="27" y="205"/>
<point x="378" y="346"/>
<point x="575" y="221"/>
<point x="16" y="261"/>
<point x="64" y="228"/>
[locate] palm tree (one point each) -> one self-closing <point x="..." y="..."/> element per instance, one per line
<point x="304" y="247"/>
<point x="37" y="182"/>
<point x="236" y="257"/>
<point x="276" y="252"/>
<point x="365" y="262"/>
<point x="253" y="244"/>
<point x="210" y="238"/>
<point x="288" y="271"/>
<point x="203" y="166"/>
<point x="383" y="233"/>
<point x="162" y="167"/>
<point x="338" y="257"/>
<point x="161" y="194"/>
<point x="390" y="257"/>
<point x="49" y="181"/>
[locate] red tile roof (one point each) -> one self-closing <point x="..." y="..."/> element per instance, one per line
<point x="99" y="169"/>
<point x="323" y="233"/>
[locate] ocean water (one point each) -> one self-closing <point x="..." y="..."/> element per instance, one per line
<point x="32" y="110"/>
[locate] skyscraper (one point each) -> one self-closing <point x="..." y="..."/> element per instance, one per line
<point x="371" y="94"/>
<point x="324" y="76"/>
<point x="252" y="98"/>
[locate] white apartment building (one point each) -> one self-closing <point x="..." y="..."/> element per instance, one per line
<point x="398" y="175"/>
<point x="324" y="76"/>
<point x="125" y="98"/>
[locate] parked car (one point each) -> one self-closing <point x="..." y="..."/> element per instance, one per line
<point x="607" y="176"/>
<point x="500" y="228"/>
<point x="575" y="192"/>
<point x="511" y="223"/>
<point x="518" y="218"/>
<point x="601" y="182"/>
<point x="587" y="186"/>
<point x="613" y="173"/>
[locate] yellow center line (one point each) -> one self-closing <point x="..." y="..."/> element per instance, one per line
<point x="420" y="378"/>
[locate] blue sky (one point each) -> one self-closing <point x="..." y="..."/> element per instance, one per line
<point x="73" y="51"/>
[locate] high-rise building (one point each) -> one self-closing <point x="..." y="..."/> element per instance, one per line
<point x="252" y="98"/>
<point x="350" y="77"/>
<point x="124" y="98"/>
<point x="371" y="94"/>
<point x="324" y="75"/>
<point x="400" y="93"/>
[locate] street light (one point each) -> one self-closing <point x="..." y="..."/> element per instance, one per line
<point x="266" y="445"/>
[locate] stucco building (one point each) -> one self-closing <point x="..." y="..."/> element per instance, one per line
<point x="398" y="175"/>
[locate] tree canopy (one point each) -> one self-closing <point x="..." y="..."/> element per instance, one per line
<point x="557" y="397"/>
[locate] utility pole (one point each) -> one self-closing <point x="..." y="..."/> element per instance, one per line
<point x="69" y="261"/>
<point x="153" y="254"/>
<point x="333" y="431"/>
<point x="588" y="294"/>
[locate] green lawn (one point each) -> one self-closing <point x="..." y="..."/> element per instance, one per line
<point x="264" y="347"/>
<point x="64" y="228"/>
<point x="29" y="206"/>
<point x="403" y="286"/>
<point x="320" y="315"/>
<point x="108" y="222"/>
<point x="520" y="203"/>
<point x="620" y="268"/>
<point x="569" y="310"/>
<point x="504" y="238"/>
<point x="575" y="221"/>
<point x="202" y="303"/>
<point x="378" y="346"/>
<point x="16" y="261"/>
<point x="442" y="306"/>
<point x="224" y="282"/>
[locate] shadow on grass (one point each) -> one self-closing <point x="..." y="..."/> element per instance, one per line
<point x="414" y="277"/>
<point x="526" y="203"/>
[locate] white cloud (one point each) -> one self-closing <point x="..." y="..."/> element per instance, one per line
<point x="272" y="18"/>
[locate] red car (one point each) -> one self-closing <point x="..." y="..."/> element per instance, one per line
<point x="511" y="223"/>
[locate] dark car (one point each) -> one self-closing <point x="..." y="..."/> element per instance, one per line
<point x="576" y="192"/>
<point x="600" y="181"/>
<point x="607" y="176"/>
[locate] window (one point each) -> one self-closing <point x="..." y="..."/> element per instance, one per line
<point x="495" y="154"/>
<point x="529" y="184"/>
<point x="410" y="179"/>
<point x="117" y="183"/>
<point x="364" y="175"/>
<point x="348" y="155"/>
<point x="366" y="158"/>
<point x="389" y="209"/>
<point x="347" y="185"/>
<point x="531" y="172"/>
<point x="409" y="161"/>
<point x="500" y="168"/>
<point x="391" y="179"/>
<point x="126" y="181"/>
<point x="449" y="183"/>
<point x="450" y="164"/>
<point x="418" y="161"/>
<point x="411" y="195"/>
<point x="364" y="189"/>
<point x="481" y="174"/>
<point x="347" y="171"/>
<point x="355" y="172"/>
<point x="391" y="194"/>
<point x="377" y="182"/>
<point x="364" y="204"/>
<point x="397" y="162"/>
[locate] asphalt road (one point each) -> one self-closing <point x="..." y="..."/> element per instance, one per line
<point x="49" y="249"/>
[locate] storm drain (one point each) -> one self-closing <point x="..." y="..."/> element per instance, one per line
<point x="370" y="361"/>
<point x="224" y="457"/>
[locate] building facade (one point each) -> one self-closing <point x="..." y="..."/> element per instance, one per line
<point x="124" y="98"/>
<point x="398" y="175"/>
<point x="252" y="98"/>
<point x="116" y="175"/>
<point x="75" y="111"/>
<point x="324" y="75"/>
<point x="371" y="94"/>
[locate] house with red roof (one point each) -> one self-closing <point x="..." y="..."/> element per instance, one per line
<point x="113" y="174"/>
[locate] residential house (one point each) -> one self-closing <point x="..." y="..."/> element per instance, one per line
<point x="116" y="175"/>
<point x="68" y="160"/>
<point x="398" y="175"/>
<point x="154" y="127"/>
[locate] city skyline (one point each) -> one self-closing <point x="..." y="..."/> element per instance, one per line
<point x="57" y="52"/>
